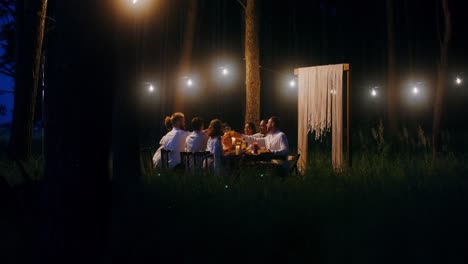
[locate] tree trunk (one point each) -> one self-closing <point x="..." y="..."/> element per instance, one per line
<point x="252" y="63"/>
<point x="392" y="97"/>
<point x="126" y="174"/>
<point x="76" y="188"/>
<point x="441" y="81"/>
<point x="186" y="59"/>
<point x="30" y="16"/>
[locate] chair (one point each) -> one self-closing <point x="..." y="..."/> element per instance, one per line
<point x="165" y="158"/>
<point x="293" y="164"/>
<point x="185" y="159"/>
<point x="200" y="159"/>
<point x="146" y="158"/>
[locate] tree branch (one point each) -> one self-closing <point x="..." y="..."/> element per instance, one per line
<point x="242" y="4"/>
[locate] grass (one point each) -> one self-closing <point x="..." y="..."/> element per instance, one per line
<point x="403" y="209"/>
<point x="390" y="207"/>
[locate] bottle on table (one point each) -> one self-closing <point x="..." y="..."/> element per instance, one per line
<point x="255" y="147"/>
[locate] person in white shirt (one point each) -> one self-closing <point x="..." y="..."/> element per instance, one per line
<point x="175" y="139"/>
<point x="197" y="140"/>
<point x="275" y="141"/>
<point x="157" y="154"/>
<point x="214" y="145"/>
<point x="263" y="129"/>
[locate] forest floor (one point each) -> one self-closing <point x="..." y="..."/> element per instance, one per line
<point x="385" y="209"/>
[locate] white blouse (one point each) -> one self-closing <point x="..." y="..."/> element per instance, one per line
<point x="215" y="147"/>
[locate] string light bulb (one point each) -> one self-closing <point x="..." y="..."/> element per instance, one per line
<point x="292" y="83"/>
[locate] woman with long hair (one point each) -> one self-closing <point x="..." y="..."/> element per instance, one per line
<point x="214" y="145"/>
<point x="249" y="129"/>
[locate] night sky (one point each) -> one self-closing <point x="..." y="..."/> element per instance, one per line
<point x="293" y="33"/>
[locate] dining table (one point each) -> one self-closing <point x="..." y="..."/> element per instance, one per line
<point x="235" y="160"/>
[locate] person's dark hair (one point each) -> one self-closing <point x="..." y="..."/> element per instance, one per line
<point x="276" y="120"/>
<point x="225" y="126"/>
<point x="252" y="126"/>
<point x="215" y="128"/>
<point x="197" y="123"/>
<point x="176" y="117"/>
<point x="168" y="123"/>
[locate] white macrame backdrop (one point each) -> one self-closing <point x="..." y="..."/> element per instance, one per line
<point x="320" y="106"/>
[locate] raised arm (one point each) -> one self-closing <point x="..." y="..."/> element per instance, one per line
<point x="251" y="140"/>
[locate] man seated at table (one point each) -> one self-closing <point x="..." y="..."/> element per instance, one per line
<point x="197" y="140"/>
<point x="263" y="129"/>
<point x="175" y="139"/>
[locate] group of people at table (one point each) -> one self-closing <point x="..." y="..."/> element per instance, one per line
<point x="219" y="141"/>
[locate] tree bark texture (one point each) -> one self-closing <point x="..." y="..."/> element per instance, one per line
<point x="252" y="63"/>
<point x="30" y="23"/>
<point x="441" y="88"/>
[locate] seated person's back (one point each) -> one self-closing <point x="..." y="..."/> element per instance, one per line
<point x="175" y="139"/>
<point x="157" y="155"/>
<point x="197" y="140"/>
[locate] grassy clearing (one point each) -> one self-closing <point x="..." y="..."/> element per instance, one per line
<point x="391" y="207"/>
<point x="383" y="210"/>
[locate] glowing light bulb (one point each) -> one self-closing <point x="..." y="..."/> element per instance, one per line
<point x="458" y="80"/>
<point x="225" y="71"/>
<point x="415" y="90"/>
<point x="151" y="88"/>
<point x="189" y="82"/>
<point x="135" y="1"/>
<point x="374" y="93"/>
<point x="292" y="83"/>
